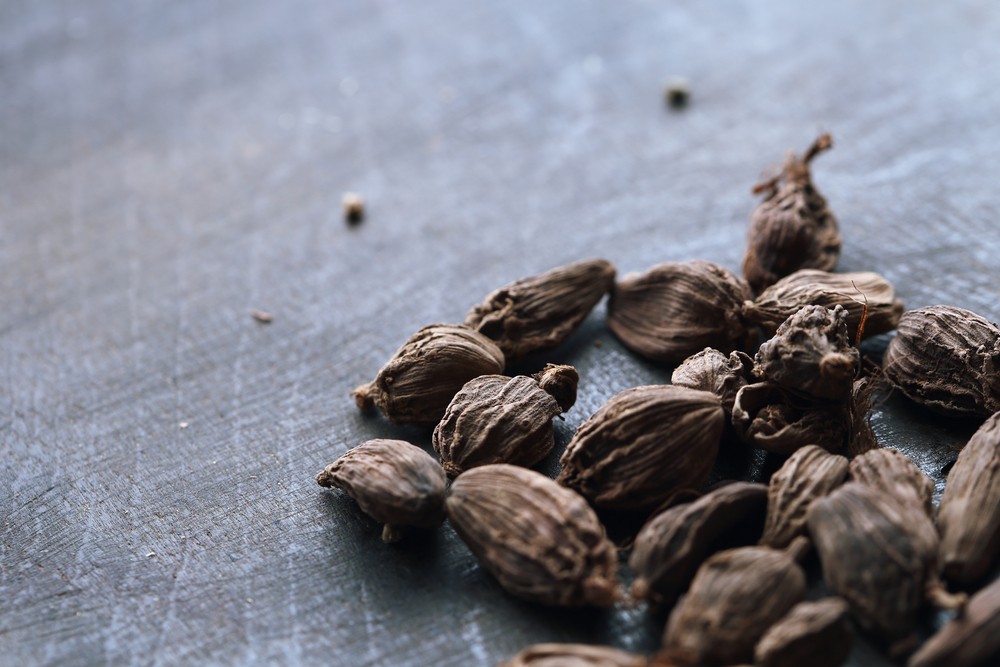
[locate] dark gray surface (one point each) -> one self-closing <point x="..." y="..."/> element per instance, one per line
<point x="166" y="166"/>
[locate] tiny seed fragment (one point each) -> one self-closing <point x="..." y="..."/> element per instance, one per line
<point x="969" y="515"/>
<point x="711" y="370"/>
<point x="863" y="295"/>
<point x="947" y="359"/>
<point x="574" y="655"/>
<point x="808" y="474"/>
<point x="540" y="312"/>
<point x="676" y="309"/>
<point x="735" y="597"/>
<point x="394" y="482"/>
<point x="813" y="634"/>
<point x="792" y="228"/>
<point x="644" y="444"/>
<point x="416" y="385"/>
<point x="499" y="419"/>
<point x="354" y="207"/>
<point x="673" y="544"/>
<point x="894" y="473"/>
<point x="540" y="540"/>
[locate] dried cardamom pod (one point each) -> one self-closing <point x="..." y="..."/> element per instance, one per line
<point x="766" y="417"/>
<point x="394" y="482"/>
<point x="792" y="228"/>
<point x="877" y="554"/>
<point x="811" y="354"/>
<point x="893" y="472"/>
<point x="866" y="296"/>
<point x="644" y="444"/>
<point x="947" y="359"/>
<point x="540" y="312"/>
<point x="969" y="639"/>
<point x="812" y="633"/>
<point x="735" y="597"/>
<point x="860" y="436"/>
<point x="676" y="309"/>
<point x="711" y="370"/>
<point x="574" y="655"/>
<point x="969" y="515"/>
<point x="808" y="474"/>
<point x="416" y="385"/>
<point x="500" y="419"/>
<point x="673" y="544"/>
<point x="540" y="540"/>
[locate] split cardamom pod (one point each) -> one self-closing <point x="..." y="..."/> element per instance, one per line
<point x="866" y="296"/>
<point x="394" y="482"/>
<point x="500" y="419"/>
<point x="673" y="544"/>
<point x="808" y="474"/>
<point x="644" y="444"/>
<point x="574" y="655"/>
<point x="540" y="540"/>
<point x="766" y="417"/>
<point x="416" y="385"/>
<point x="947" y="359"/>
<point x="735" y="597"/>
<point x="812" y="633"/>
<point x="894" y="473"/>
<point x="792" y="228"/>
<point x="678" y="308"/>
<point x="969" y="514"/>
<point x="540" y="312"/>
<point x="811" y="354"/>
<point x="878" y="555"/>
<point x="714" y="371"/>
<point x="969" y="639"/>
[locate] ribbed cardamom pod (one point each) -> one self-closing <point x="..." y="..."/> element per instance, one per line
<point x="714" y="371"/>
<point x="863" y="295"/>
<point x="947" y="359"/>
<point x="574" y="655"/>
<point x="500" y="419"/>
<point x="808" y="474"/>
<point x="766" y="417"/>
<point x="813" y="634"/>
<point x="735" y="597"/>
<point x="792" y="228"/>
<point x="877" y="554"/>
<point x="811" y="354"/>
<point x="673" y="544"/>
<point x="644" y="444"/>
<point x="676" y="309"/>
<point x="394" y="482"/>
<point x="969" y="514"/>
<point x="540" y="540"/>
<point x="894" y="473"/>
<point x="416" y="385"/>
<point x="540" y="312"/>
<point x="971" y="638"/>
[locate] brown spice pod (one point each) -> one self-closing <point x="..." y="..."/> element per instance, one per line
<point x="813" y="634"/>
<point x="714" y="371"/>
<point x="896" y="474"/>
<point x="540" y="312"/>
<point x="969" y="639"/>
<point x="574" y="655"/>
<point x="792" y="228"/>
<point x="500" y="419"/>
<point x="540" y="540"/>
<point x="961" y="349"/>
<point x="766" y="417"/>
<point x="416" y="385"/>
<point x="969" y="514"/>
<point x="865" y="296"/>
<point x="673" y="544"/>
<point x="642" y="445"/>
<point x="394" y="482"/>
<point x="676" y="309"/>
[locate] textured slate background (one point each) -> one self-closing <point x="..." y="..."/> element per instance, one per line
<point x="166" y="166"/>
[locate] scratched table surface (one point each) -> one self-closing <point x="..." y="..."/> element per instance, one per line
<point x="165" y="167"/>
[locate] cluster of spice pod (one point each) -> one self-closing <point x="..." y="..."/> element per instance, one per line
<point x="726" y="560"/>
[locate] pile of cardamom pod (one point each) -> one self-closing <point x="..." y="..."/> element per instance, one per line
<point x="725" y="560"/>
